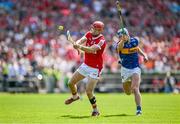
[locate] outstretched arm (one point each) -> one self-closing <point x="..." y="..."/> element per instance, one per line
<point x="143" y="54"/>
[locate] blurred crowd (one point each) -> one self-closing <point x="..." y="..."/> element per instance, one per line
<point x="31" y="44"/>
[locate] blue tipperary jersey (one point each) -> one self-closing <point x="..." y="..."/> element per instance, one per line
<point x="129" y="54"/>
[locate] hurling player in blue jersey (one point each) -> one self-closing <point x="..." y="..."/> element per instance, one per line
<point x="128" y="50"/>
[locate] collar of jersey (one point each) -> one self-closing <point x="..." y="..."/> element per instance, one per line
<point x="96" y="37"/>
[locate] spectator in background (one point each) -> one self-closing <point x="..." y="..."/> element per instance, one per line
<point x="169" y="83"/>
<point x="158" y="84"/>
<point x="4" y="75"/>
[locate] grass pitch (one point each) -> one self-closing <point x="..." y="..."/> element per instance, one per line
<point x="114" y="108"/>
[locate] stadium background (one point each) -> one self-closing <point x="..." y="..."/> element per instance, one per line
<point x="36" y="57"/>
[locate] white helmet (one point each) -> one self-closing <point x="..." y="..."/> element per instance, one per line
<point x="122" y="31"/>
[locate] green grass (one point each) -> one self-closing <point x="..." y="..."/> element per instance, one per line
<point x="115" y="108"/>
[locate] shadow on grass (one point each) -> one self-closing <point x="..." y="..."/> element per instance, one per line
<point x="75" y="116"/>
<point x="117" y="115"/>
<point x="83" y="117"/>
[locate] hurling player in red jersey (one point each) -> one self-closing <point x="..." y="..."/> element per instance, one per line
<point x="93" y="44"/>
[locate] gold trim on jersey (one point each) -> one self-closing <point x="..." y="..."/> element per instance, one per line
<point x="129" y="50"/>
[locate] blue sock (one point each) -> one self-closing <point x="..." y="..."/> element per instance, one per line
<point x="138" y="108"/>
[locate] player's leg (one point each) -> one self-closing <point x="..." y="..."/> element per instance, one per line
<point x="125" y="76"/>
<point x="127" y="87"/>
<point x="89" y="91"/>
<point x="136" y="79"/>
<point x="72" y="85"/>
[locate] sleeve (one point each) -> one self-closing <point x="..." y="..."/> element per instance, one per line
<point x="87" y="35"/>
<point x="137" y="40"/>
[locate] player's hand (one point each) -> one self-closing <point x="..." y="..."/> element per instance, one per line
<point x="145" y="58"/>
<point x="76" y="46"/>
<point x="124" y="38"/>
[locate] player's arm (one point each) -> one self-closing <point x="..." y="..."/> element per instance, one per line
<point x="140" y="51"/>
<point x="121" y="43"/>
<point x="92" y="49"/>
<point x="82" y="40"/>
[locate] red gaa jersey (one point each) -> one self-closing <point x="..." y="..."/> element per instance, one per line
<point x="91" y="59"/>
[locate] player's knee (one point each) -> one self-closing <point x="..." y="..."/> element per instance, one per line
<point x="89" y="92"/>
<point x="135" y="89"/>
<point x="127" y="88"/>
<point x="127" y="92"/>
<point x="70" y="84"/>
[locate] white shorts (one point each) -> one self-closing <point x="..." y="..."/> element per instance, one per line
<point x="126" y="74"/>
<point x="88" y="71"/>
